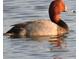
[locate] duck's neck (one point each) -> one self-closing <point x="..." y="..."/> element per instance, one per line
<point x="59" y="22"/>
<point x="62" y="24"/>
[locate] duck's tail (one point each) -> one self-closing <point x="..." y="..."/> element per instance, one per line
<point x="7" y="34"/>
<point x="10" y="32"/>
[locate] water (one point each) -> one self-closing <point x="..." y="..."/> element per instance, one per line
<point x="16" y="11"/>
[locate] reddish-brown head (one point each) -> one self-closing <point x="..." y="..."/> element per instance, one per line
<point x="55" y="10"/>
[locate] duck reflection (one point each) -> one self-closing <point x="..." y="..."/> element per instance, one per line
<point x="57" y="57"/>
<point x="53" y="42"/>
<point x="58" y="42"/>
<point x="58" y="45"/>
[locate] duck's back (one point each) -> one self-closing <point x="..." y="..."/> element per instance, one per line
<point x="36" y="28"/>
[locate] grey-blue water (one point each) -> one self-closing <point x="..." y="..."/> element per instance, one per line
<point x="16" y="11"/>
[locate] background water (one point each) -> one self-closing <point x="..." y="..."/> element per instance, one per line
<point x="16" y="11"/>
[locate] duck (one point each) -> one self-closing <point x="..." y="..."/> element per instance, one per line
<point x="54" y="26"/>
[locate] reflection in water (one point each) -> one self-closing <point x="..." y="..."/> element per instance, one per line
<point x="43" y="47"/>
<point x="58" y="45"/>
<point x="58" y="42"/>
<point x="57" y="57"/>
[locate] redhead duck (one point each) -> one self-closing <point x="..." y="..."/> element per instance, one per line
<point x="55" y="27"/>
